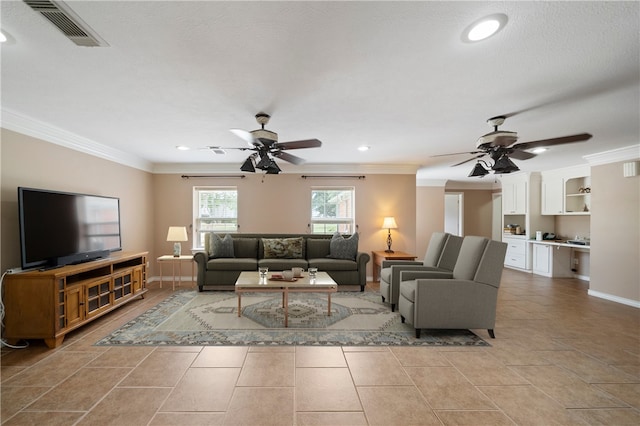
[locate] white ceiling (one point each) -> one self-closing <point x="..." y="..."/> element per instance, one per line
<point x="392" y="75"/>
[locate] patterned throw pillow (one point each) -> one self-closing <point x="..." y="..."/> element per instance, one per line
<point x="222" y="247"/>
<point x="343" y="248"/>
<point x="282" y="248"/>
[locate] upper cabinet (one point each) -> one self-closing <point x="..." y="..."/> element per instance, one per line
<point x="514" y="194"/>
<point x="566" y="191"/>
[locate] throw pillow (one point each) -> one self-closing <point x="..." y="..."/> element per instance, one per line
<point x="282" y="248"/>
<point x="343" y="248"/>
<point x="222" y="247"/>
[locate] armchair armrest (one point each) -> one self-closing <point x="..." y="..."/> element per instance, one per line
<point x="201" y="259"/>
<point x="452" y="303"/>
<point x="390" y="263"/>
<point x="424" y="273"/>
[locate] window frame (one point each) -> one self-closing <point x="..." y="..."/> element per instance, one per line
<point x="340" y="222"/>
<point x="197" y="232"/>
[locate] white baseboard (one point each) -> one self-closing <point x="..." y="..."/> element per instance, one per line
<point x="582" y="277"/>
<point x="617" y="299"/>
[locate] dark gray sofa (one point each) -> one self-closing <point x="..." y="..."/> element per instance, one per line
<point x="249" y="254"/>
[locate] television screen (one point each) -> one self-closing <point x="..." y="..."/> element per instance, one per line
<point x="58" y="228"/>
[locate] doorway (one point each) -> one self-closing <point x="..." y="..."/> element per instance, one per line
<point x="454" y="213"/>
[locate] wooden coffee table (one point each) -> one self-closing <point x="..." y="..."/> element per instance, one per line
<point x="250" y="282"/>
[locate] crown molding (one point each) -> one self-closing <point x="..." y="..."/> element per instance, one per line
<point x="377" y="169"/>
<point x="37" y="129"/>
<point x="615" y="155"/>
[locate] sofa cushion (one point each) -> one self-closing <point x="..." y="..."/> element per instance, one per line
<point x="283" y="248"/>
<point x="326" y="264"/>
<point x="318" y="247"/>
<point x="245" y="247"/>
<point x="343" y="248"/>
<point x="221" y="247"/>
<point x="283" y="264"/>
<point x="232" y="264"/>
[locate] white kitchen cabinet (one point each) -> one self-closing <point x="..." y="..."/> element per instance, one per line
<point x="552" y="194"/>
<point x="551" y="260"/>
<point x="516" y="252"/>
<point x="566" y="191"/>
<point x="514" y="195"/>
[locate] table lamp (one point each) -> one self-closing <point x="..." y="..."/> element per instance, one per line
<point x="177" y="234"/>
<point x="389" y="223"/>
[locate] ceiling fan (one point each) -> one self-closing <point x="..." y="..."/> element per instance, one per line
<point x="266" y="146"/>
<point x="501" y="146"/>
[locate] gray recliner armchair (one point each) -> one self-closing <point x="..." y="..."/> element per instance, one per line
<point x="466" y="300"/>
<point x="441" y="256"/>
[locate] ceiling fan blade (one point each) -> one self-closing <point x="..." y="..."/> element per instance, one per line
<point x="521" y="155"/>
<point x="458" y="153"/>
<point x="247" y="137"/>
<point x="470" y="159"/>
<point x="288" y="157"/>
<point x="554" y="141"/>
<point x="307" y="143"/>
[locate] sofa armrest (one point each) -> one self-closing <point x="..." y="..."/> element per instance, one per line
<point x="361" y="259"/>
<point x="390" y="263"/>
<point x="201" y="258"/>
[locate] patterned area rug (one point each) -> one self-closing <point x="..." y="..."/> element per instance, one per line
<point x="188" y="317"/>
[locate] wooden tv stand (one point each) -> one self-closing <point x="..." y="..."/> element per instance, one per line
<point x="49" y="304"/>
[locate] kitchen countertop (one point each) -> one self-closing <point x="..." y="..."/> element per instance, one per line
<point x="560" y="243"/>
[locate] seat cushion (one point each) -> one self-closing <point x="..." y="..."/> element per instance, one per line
<point x="232" y="264"/>
<point x="385" y="275"/>
<point x="408" y="290"/>
<point x="324" y="264"/>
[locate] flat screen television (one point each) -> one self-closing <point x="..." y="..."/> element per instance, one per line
<point x="62" y="228"/>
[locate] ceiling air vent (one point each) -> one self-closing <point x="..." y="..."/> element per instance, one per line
<point x="63" y="18"/>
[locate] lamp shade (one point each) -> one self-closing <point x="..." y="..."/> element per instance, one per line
<point x="177" y="233"/>
<point x="389" y="223"/>
<point x="504" y="165"/>
<point x="478" y="171"/>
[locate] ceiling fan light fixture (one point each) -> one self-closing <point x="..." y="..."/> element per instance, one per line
<point x="273" y="168"/>
<point x="504" y="165"/>
<point x="478" y="171"/>
<point x="484" y="28"/>
<point x="248" y="166"/>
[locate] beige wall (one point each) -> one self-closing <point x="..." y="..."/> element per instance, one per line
<point x="430" y="215"/>
<point x="31" y="162"/>
<point x="150" y="203"/>
<point x="281" y="204"/>
<point x="615" y="232"/>
<point x="477" y="212"/>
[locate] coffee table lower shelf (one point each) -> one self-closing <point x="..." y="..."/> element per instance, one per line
<point x="250" y="282"/>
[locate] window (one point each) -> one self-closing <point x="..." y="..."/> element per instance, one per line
<point x="215" y="209"/>
<point x="332" y="209"/>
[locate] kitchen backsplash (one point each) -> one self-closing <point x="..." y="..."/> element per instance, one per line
<point x="572" y="226"/>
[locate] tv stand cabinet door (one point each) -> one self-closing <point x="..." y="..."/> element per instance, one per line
<point x="74" y="306"/>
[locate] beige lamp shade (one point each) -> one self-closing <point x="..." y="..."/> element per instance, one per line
<point x="177" y="233"/>
<point x="389" y="223"/>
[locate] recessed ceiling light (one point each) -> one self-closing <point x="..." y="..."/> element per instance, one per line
<point x="182" y="148"/>
<point x="484" y="28"/>
<point x="3" y="37"/>
<point x="364" y="148"/>
<point x="539" y="150"/>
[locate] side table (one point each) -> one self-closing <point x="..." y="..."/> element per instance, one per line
<point x="380" y="255"/>
<point x="173" y="260"/>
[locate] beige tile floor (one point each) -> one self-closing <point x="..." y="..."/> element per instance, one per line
<point x="560" y="357"/>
